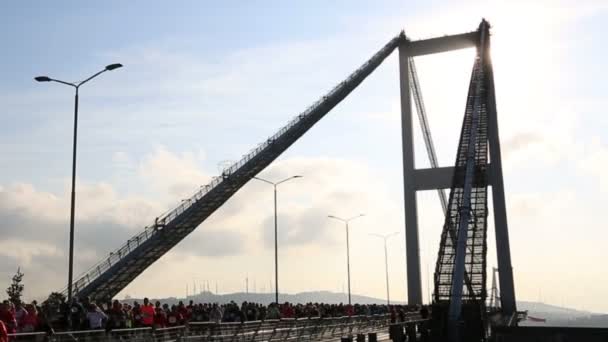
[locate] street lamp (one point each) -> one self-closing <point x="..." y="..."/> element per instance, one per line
<point x="347" y="247"/>
<point x="276" y="243"/>
<point x="386" y="237"/>
<point x="76" y="86"/>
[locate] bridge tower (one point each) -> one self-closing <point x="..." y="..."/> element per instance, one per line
<point x="486" y="172"/>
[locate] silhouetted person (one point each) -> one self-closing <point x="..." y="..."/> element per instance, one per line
<point x="423" y="327"/>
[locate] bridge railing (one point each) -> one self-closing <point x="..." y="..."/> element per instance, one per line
<point x="301" y="329"/>
<point x="277" y="330"/>
<point x="28" y="337"/>
<point x="131" y="335"/>
<point x="84" y="335"/>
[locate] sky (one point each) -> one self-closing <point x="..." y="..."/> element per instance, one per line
<point x="204" y="82"/>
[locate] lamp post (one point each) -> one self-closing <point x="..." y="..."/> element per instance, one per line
<point x="76" y="86"/>
<point x="385" y="238"/>
<point x="346" y="221"/>
<point x="276" y="243"/>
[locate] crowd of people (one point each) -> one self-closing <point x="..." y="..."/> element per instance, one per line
<point x="86" y="314"/>
<point x="19" y="317"/>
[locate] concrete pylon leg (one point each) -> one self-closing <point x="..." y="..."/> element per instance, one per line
<point x="503" y="249"/>
<point x="414" y="282"/>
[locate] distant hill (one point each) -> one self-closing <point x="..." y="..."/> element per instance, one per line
<point x="553" y="310"/>
<point x="560" y="316"/>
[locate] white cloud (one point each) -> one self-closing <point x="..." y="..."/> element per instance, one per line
<point x="174" y="174"/>
<point x="25" y="251"/>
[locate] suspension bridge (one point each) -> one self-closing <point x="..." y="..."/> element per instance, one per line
<point x="459" y="309"/>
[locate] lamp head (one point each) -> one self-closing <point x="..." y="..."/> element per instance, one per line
<point x="113" y="66"/>
<point x="42" y="79"/>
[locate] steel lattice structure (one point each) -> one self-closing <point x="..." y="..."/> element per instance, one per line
<point x="476" y="209"/>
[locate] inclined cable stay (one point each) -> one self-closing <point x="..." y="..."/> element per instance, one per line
<point x="112" y="274"/>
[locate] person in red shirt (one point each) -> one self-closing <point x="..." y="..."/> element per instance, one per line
<point x="29" y="322"/>
<point x="189" y="311"/>
<point x="147" y="313"/>
<point x="350" y="311"/>
<point x="7" y="317"/>
<point x="3" y="332"/>
<point x="19" y="312"/>
<point x="287" y="311"/>
<point x="136" y="314"/>
<point x="117" y="316"/>
<point x="183" y="311"/>
<point x="160" y="318"/>
<point x="174" y="318"/>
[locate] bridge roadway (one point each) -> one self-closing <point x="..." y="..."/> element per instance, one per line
<point x="283" y="330"/>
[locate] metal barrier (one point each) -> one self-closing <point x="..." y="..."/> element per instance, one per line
<point x="79" y="336"/>
<point x="275" y="330"/>
<point x="135" y="335"/>
<point x="288" y="329"/>
<point x="169" y="334"/>
<point x="409" y="327"/>
<point x="28" y="337"/>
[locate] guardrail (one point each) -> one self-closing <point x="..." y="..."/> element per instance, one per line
<point x="279" y="330"/>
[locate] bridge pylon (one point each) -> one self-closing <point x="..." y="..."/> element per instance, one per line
<point x="445" y="177"/>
